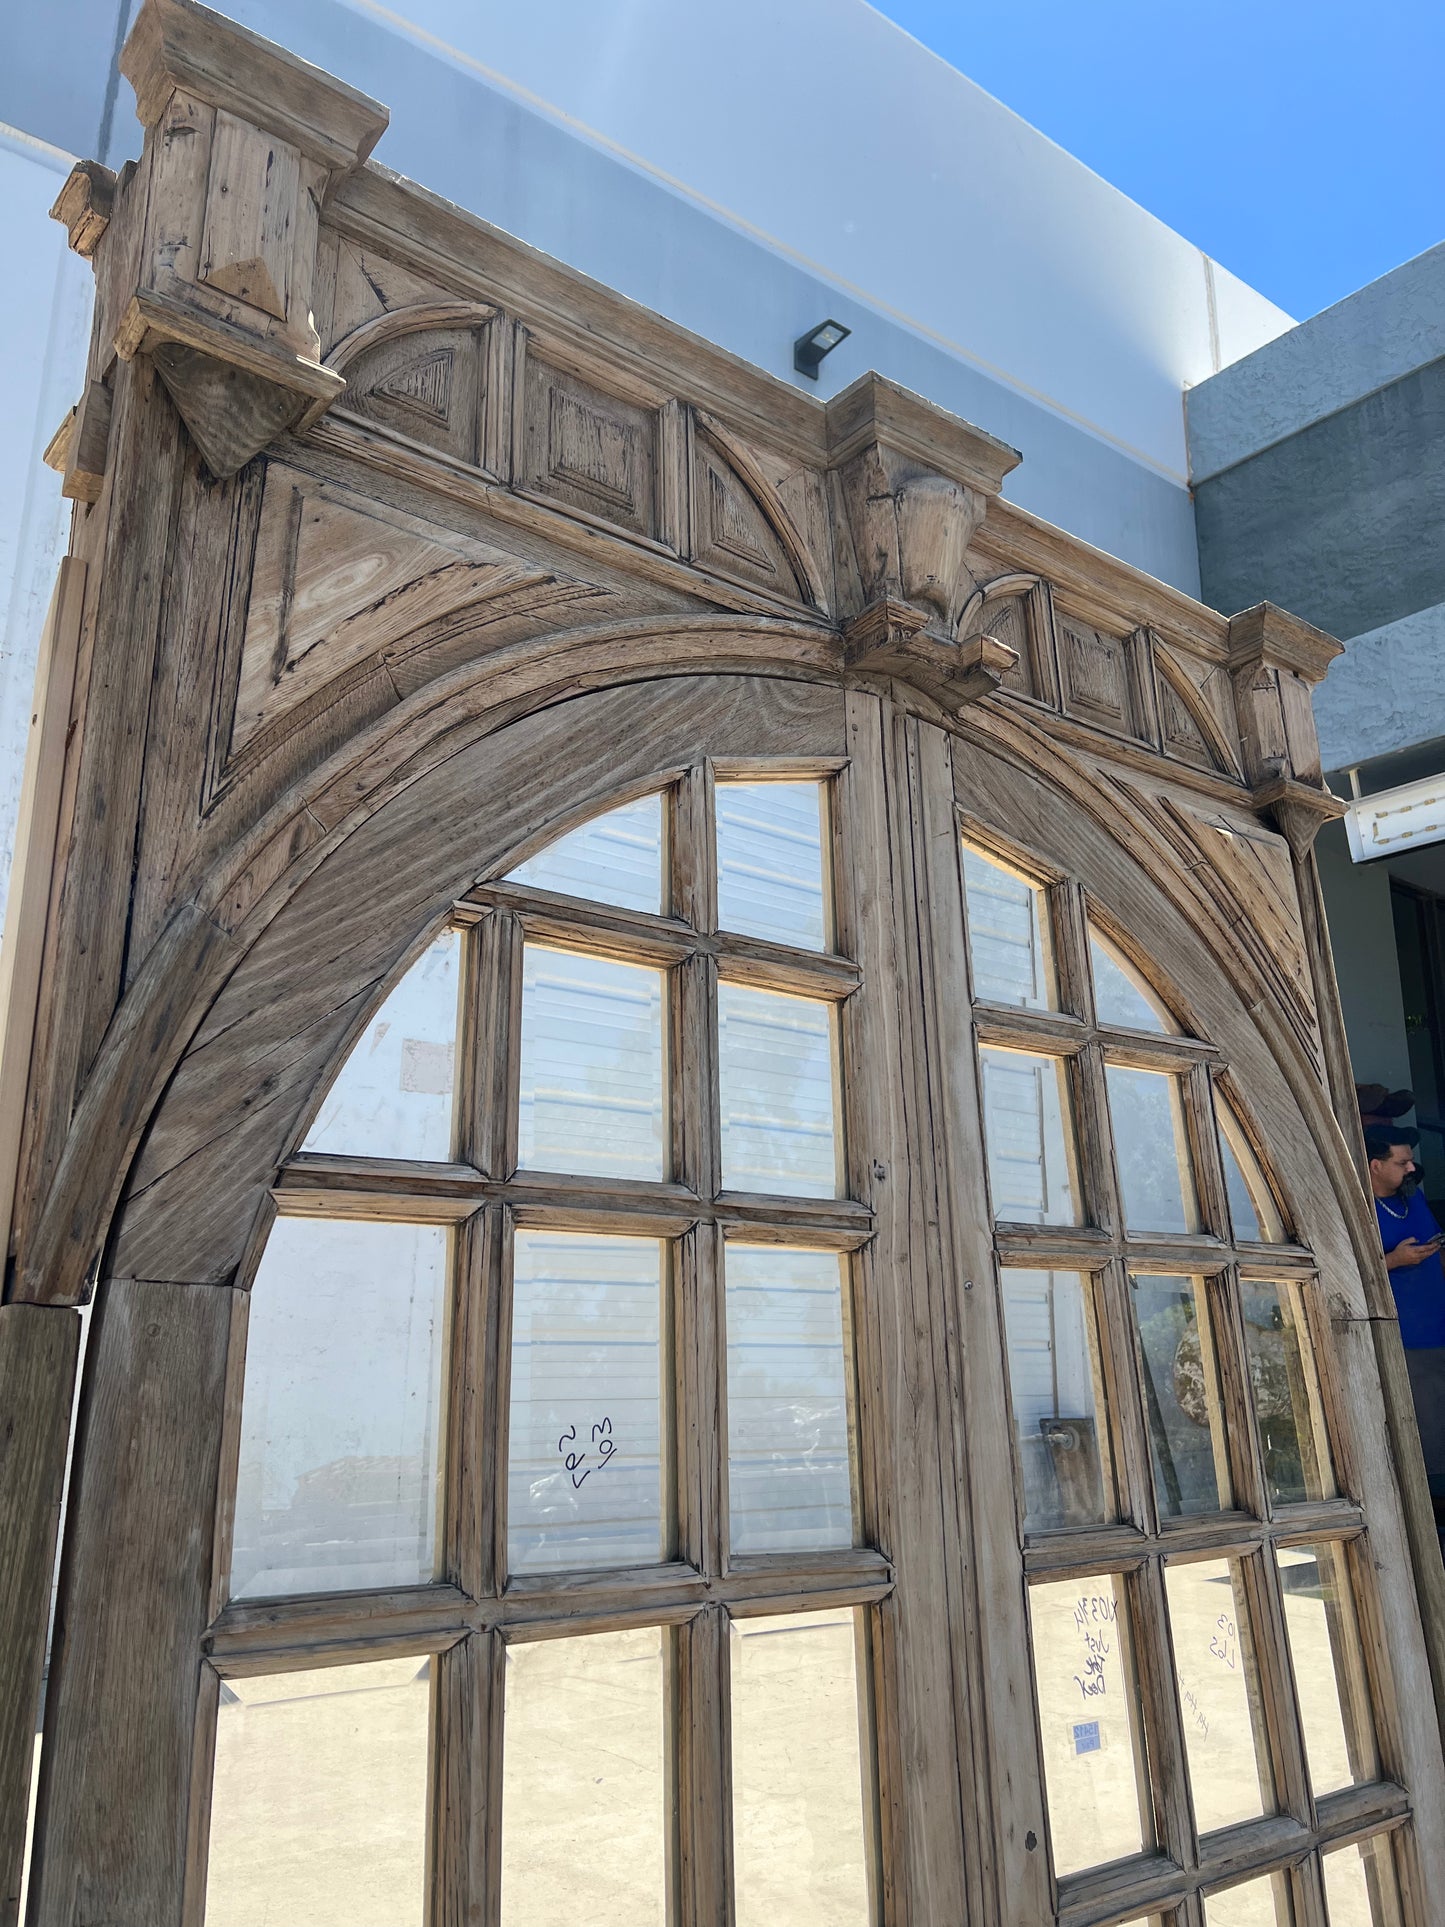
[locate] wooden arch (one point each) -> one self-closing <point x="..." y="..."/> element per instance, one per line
<point x="395" y="544"/>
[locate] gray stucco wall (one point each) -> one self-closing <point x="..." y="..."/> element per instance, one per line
<point x="1341" y="523"/>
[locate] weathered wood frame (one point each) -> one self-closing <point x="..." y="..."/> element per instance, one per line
<point x="706" y="565"/>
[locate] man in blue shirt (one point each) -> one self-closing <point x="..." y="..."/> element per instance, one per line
<point x="1412" y="1241"/>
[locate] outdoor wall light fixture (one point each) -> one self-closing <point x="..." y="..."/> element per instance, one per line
<point x="809" y="349"/>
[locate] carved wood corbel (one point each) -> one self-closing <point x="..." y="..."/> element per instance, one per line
<point x="1275" y="660"/>
<point x="910" y="487"/>
<point x="243" y="145"/>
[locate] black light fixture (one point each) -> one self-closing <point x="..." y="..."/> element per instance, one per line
<point x="809" y="349"/>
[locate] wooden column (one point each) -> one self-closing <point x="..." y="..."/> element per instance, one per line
<point x="38" y="1349"/>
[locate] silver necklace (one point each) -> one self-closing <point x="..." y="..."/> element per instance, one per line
<point x="1385" y="1206"/>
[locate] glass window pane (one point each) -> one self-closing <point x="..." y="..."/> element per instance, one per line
<point x="616" y="858"/>
<point x="585" y="1465"/>
<point x="1360" y="1885"/>
<point x="591" y="1079"/>
<point x="1088" y="1700"/>
<point x="1151" y="1145"/>
<point x="1181" y="1395"/>
<point x="393" y="1096"/>
<point x="771" y="869"/>
<point x="1287" y="1402"/>
<point x="1252" y="1208"/>
<point x="800" y="1806"/>
<point x="1008" y="935"/>
<point x="585" y="1810"/>
<point x="778" y="1061"/>
<point x="1219" y="1693"/>
<point x="1028" y="1131"/>
<point x="1122" y="997"/>
<point x="1255" y="1903"/>
<point x="319" y="1802"/>
<point x="1058" y="1399"/>
<point x="789" y="1475"/>
<point x="1329" y="1671"/>
<point x="340" y="1465"/>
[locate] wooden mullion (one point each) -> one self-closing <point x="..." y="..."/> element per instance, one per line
<point x="1071" y="952"/>
<point x="1162" y="1722"/>
<point x="1277" y="1684"/>
<point x="460" y="1842"/>
<point x="490" y="1675"/>
<point x="1155" y="1051"/>
<point x="496" y="1435"/>
<point x="1205" y="1155"/>
<point x="1010" y="1028"/>
<point x="480" y="1381"/>
<point x="692" y="850"/>
<point x="1095" y="1142"/>
<point x="1241" y="1428"/>
<point x="1129" y="1425"/>
<point x="1307" y="1893"/>
<point x="500" y="1042"/>
<point x="198" y="1807"/>
<point x="606" y="937"/>
<point x="768" y="966"/>
<point x="704" y="1770"/>
<point x="700" y="1413"/>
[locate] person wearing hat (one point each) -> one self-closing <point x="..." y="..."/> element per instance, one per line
<point x="1412" y="1240"/>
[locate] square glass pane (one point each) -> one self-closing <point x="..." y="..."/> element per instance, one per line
<point x="616" y="858"/>
<point x="778" y="1068"/>
<point x="339" y="1479"/>
<point x="1360" y="1885"/>
<point x="319" y="1800"/>
<point x="772" y="875"/>
<point x="1058" y="1399"/>
<point x="586" y="1470"/>
<point x="591" y="1088"/>
<point x="392" y="1098"/>
<point x="1088" y="1699"/>
<point x="1151" y="1146"/>
<point x="1123" y="998"/>
<point x="1225" y="1736"/>
<point x="1287" y="1401"/>
<point x="1254" y="1903"/>
<point x="586" y="1814"/>
<point x="1329" y="1668"/>
<point x="801" y="1806"/>
<point x="1029" y="1134"/>
<point x="1182" y="1405"/>
<point x="1252" y="1208"/>
<point x="790" y="1479"/>
<point x="1008" y="935"/>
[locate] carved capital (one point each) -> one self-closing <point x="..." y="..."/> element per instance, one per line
<point x="1299" y="810"/>
<point x="1275" y="659"/>
<point x="889" y="639"/>
<point x="243" y="144"/>
<point x="910" y="487"/>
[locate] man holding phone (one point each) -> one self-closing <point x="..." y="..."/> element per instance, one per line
<point x="1412" y="1241"/>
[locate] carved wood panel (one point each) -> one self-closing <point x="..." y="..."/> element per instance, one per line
<point x="430" y="386"/>
<point x="577" y="445"/>
<point x="1101" y="680"/>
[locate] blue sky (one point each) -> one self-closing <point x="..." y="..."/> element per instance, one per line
<point x="1300" y="142"/>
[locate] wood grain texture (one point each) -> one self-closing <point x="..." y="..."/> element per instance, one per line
<point x="38" y="1349"/>
<point x="115" y="1768"/>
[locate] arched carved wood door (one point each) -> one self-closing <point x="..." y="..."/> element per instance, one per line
<point x="687" y="1057"/>
<point x="790" y="1373"/>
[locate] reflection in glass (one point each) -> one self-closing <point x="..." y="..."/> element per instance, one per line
<point x="789" y="1477"/>
<point x="1028" y="1131"/>
<point x="1123" y="998"/>
<point x="585" y="1814"/>
<point x="393" y="1096"/>
<point x="1008" y="935"/>
<point x="1255" y="1903"/>
<point x="771" y="872"/>
<point x="1360" y="1885"/>
<point x="801" y="1815"/>
<point x="338" y="1481"/>
<point x="591" y="1078"/>
<point x="1287" y="1400"/>
<point x="319" y="1802"/>
<point x="1252" y="1209"/>
<point x="1058" y="1399"/>
<point x="777" y="1064"/>
<point x="585" y="1465"/>
<point x="1151" y="1146"/>
<point x="1329" y="1669"/>
<point x="616" y="858"/>
<point x="1088" y="1700"/>
<point x="1181" y="1395"/>
<point x="1219" y="1693"/>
